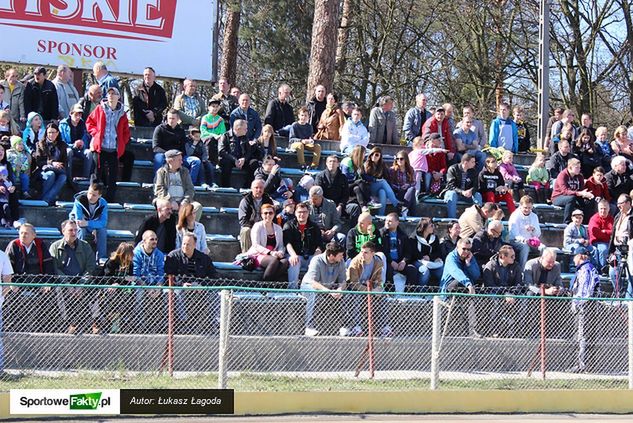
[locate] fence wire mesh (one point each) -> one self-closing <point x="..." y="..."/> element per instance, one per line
<point x="112" y="332"/>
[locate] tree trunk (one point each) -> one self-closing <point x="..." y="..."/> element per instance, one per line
<point x="343" y="36"/>
<point x="323" y="50"/>
<point x="228" y="66"/>
<point x="626" y="8"/>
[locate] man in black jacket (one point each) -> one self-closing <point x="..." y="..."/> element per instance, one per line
<point x="279" y="112"/>
<point x="190" y="267"/>
<point x="163" y="223"/>
<point x="170" y="135"/>
<point x="487" y="241"/>
<point x="461" y="184"/>
<point x="40" y="95"/>
<point x="249" y="212"/>
<point x="619" y="178"/>
<point x="316" y="106"/>
<point x="232" y="148"/>
<point x="396" y="248"/>
<point x="303" y="240"/>
<point x="336" y="188"/>
<point x="150" y="101"/>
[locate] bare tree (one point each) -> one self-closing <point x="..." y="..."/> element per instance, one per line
<point x="323" y="50"/>
<point x="229" y="47"/>
<point x="343" y="36"/>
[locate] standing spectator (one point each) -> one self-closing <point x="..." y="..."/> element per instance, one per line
<point x="162" y="224"/>
<point x="558" y="113"/>
<point x="461" y="184"/>
<point x="173" y="182"/>
<point x="40" y="96"/>
<point x="558" y="161"/>
<point x="316" y="106"/>
<point x="90" y="211"/>
<point x="91" y="100"/>
<point x="478" y="126"/>
<point x="74" y="259"/>
<point x="170" y="135"/>
<point x="619" y="178"/>
<point x="149" y="270"/>
<point x="543" y="271"/>
<point x="503" y="130"/>
<point x="249" y="212"/>
<point x="415" y="118"/>
<point x="326" y="273"/>
<point x="426" y="252"/>
<point x="466" y="141"/>
<point x="375" y="172"/>
<point x="525" y="230"/>
<point x="300" y="135"/>
<point x="249" y="115"/>
<point x="567" y="119"/>
<point x="618" y="243"/>
<point x="438" y="124"/>
<point x="187" y="224"/>
<point x="228" y="102"/>
<point x="104" y="79"/>
<point x="487" y="241"/>
<point x="402" y="181"/>
<point x="150" y="100"/>
<point x="475" y="218"/>
<point x="51" y="158"/>
<point x="75" y="135"/>
<point x="492" y="185"/>
<point x="14" y="95"/>
<point x="325" y="216"/>
<point x="396" y="248"/>
<point x="600" y="230"/>
<point x="569" y="190"/>
<point x="302" y="238"/>
<point x="67" y="94"/>
<point x="511" y="175"/>
<point x="336" y="188"/>
<point x="190" y="104"/>
<point x="110" y="132"/>
<point x="354" y="133"/>
<point x="332" y="120"/>
<point x="383" y="127"/>
<point x="267" y="246"/>
<point x="6" y="274"/>
<point x="279" y="112"/>
<point x="523" y="132"/>
<point x="538" y="178"/>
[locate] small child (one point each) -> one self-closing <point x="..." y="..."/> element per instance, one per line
<point x="212" y="127"/>
<point x="597" y="185"/>
<point x="602" y="141"/>
<point x="195" y="147"/>
<point x="420" y="165"/>
<point x="522" y="130"/>
<point x="511" y="175"/>
<point x="576" y="234"/>
<point x="288" y="212"/>
<point x="20" y="162"/>
<point x="6" y="188"/>
<point x="34" y="131"/>
<point x="538" y="177"/>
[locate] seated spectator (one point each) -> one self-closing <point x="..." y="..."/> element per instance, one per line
<point x="347" y="108"/>
<point x="149" y="270"/>
<point x="365" y="273"/>
<point x="287" y="212"/>
<point x="235" y="150"/>
<point x="51" y="159"/>
<point x="6" y="190"/>
<point x="426" y="253"/>
<point x="228" y="102"/>
<point x="326" y="273"/>
<point x="162" y="223"/>
<point x="558" y="161"/>
<point x="364" y="231"/>
<point x="588" y="153"/>
<point x="511" y="175"/>
<point x="525" y="230"/>
<point x="461" y="268"/>
<point x="325" y="216"/>
<point x="90" y="211"/>
<point x="461" y="184"/>
<point x="374" y="171"/>
<point x="191" y="267"/>
<point x="74" y="259"/>
<point x="187" y="223"/>
<point x="74" y="133"/>
<point x="249" y="212"/>
<point x="600" y="230"/>
<point x="354" y="133"/>
<point x="29" y="308"/>
<point x="352" y="168"/>
<point x="503" y="130"/>
<point x="619" y="178"/>
<point x="438" y="165"/>
<point x="492" y="185"/>
<point x="172" y="182"/>
<point x="619" y="243"/>
<point x="189" y="104"/>
<point x="421" y="157"/>
<point x="8" y="127"/>
<point x="415" y="118"/>
<point x="538" y="178"/>
<point x="597" y="185"/>
<point x="603" y="144"/>
<point x="116" y="305"/>
<point x="303" y="240"/>
<point x="196" y="148"/>
<point x="383" y="127"/>
<point x="525" y="142"/>
<point x="402" y="181"/>
<point x="332" y="120"/>
<point x="301" y="139"/>
<point x="34" y="132"/>
<point x="474" y="219"/>
<point x="246" y="113"/>
<point x="267" y="246"/>
<point x="11" y="194"/>
<point x="104" y="78"/>
<point x="107" y="146"/>
<point x="543" y="271"/>
<point x="466" y="141"/>
<point x="576" y="234"/>
<point x="212" y="127"/>
<point x="336" y="188"/>
<point x="570" y="191"/>
<point x="487" y="241"/>
<point x="267" y="142"/>
<point x="170" y="135"/>
<point x="269" y="173"/>
<point x="438" y="124"/>
<point x="396" y="248"/>
<point x="279" y="112"/>
<point x="449" y="241"/>
<point x="150" y="101"/>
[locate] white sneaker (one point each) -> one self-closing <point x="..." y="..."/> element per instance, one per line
<point x="311" y="332"/>
<point x="343" y="331"/>
<point x="205" y="186"/>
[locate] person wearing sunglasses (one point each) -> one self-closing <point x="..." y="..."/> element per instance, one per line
<point x="375" y="172"/>
<point x="402" y="181"/>
<point x="268" y="246"/>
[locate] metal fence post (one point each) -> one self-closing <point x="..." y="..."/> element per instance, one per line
<point x="223" y="345"/>
<point x="629" y="305"/>
<point x="435" y="343"/>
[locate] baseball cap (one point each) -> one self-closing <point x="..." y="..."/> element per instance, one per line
<point x="115" y="89"/>
<point x="577" y="212"/>
<point x="170" y="154"/>
<point x="581" y="250"/>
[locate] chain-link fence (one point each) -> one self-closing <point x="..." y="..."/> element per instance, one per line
<point x="116" y="332"/>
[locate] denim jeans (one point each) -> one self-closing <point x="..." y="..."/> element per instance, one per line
<point x="86" y="161"/>
<point x="602" y="253"/>
<point x="52" y="183"/>
<point x="451" y="198"/>
<point x="381" y="189"/>
<point x="101" y="239"/>
<point x="426" y="273"/>
<point x="293" y="271"/>
<point x="313" y="298"/>
<point x="25" y="182"/>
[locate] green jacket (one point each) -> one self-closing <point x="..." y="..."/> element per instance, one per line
<point x="85" y="256"/>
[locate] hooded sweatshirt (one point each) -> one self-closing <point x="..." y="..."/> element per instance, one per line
<point x="29" y="136"/>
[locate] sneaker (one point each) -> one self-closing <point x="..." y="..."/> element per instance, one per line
<point x="311" y="332"/>
<point x="205" y="186"/>
<point x="386" y="332"/>
<point x="18" y="223"/>
<point x="404" y="213"/>
<point x="214" y="185"/>
<point x="576" y="369"/>
<point x="26" y="195"/>
<point x="476" y="335"/>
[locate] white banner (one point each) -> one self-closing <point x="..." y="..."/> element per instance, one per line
<point x="64" y="401"/>
<point x="175" y="37"/>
